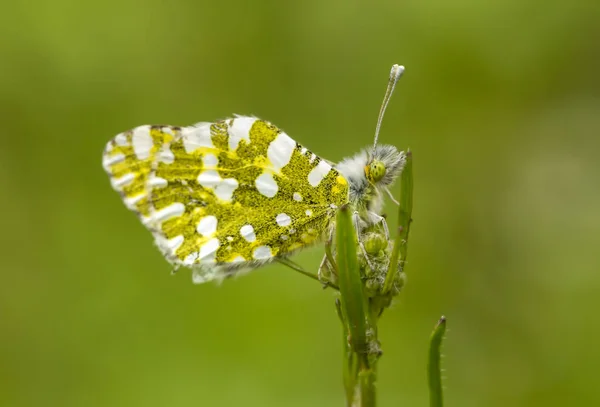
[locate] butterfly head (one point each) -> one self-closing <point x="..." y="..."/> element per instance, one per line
<point x="384" y="164"/>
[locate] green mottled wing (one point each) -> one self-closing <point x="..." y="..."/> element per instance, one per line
<point x="224" y="196"/>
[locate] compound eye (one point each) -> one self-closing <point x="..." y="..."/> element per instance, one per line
<point x="375" y="171"/>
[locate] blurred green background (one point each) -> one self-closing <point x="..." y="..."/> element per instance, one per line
<point x="500" y="103"/>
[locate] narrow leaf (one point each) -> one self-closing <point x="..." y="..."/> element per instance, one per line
<point x="404" y="219"/>
<point x="352" y="296"/>
<point x="434" y="367"/>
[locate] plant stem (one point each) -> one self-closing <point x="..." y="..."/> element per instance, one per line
<point x="359" y="375"/>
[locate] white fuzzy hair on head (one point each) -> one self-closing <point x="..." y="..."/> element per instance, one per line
<point x="353" y="169"/>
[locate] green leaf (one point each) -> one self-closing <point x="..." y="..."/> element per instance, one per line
<point x="352" y="296"/>
<point x="434" y="369"/>
<point x="404" y="220"/>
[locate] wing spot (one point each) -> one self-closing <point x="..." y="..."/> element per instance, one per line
<point x="207" y="226"/>
<point x="190" y="258"/>
<point x="308" y="212"/>
<point x="266" y="185"/>
<point x="210" y="160"/>
<point x="174" y="243"/>
<point x="119" y="183"/>
<point x="238" y="129"/>
<point x="208" y="251"/>
<point x="166" y="155"/>
<point x="157" y="182"/>
<point x="110" y="160"/>
<point x="121" y="139"/>
<point x="262" y="253"/>
<point x="280" y="151"/>
<point x="171" y="211"/>
<point x="247" y="232"/>
<point x="283" y="219"/>
<point x="142" y="142"/>
<point x="197" y="137"/>
<point x="317" y="174"/>
<point x="297" y="197"/>
<point x="226" y="188"/>
<point x="209" y="178"/>
<point x="131" y="201"/>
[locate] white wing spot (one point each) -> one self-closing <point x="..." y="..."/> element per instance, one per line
<point x="247" y="232"/>
<point x="230" y="238"/>
<point x="119" y="183"/>
<point x="318" y="173"/>
<point x="166" y="155"/>
<point x="174" y="243"/>
<point x="238" y="259"/>
<point x="142" y="142"/>
<point x="121" y="139"/>
<point x="190" y="258"/>
<point x="280" y="151"/>
<point x="223" y="188"/>
<point x="266" y="185"/>
<point x="292" y="231"/>
<point x="308" y="212"/>
<point x="210" y="160"/>
<point x="284" y="237"/>
<point x="110" y="160"/>
<point x="262" y="253"/>
<point x="197" y="137"/>
<point x="171" y="211"/>
<point x="131" y="201"/>
<point x="303" y="150"/>
<point x="297" y="197"/>
<point x="226" y="188"/>
<point x="283" y="219"/>
<point x="157" y="182"/>
<point x="312" y="158"/>
<point x="239" y="129"/>
<point x="209" y="178"/>
<point x="207" y="226"/>
<point x="208" y="251"/>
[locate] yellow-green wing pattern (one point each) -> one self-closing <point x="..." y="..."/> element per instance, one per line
<point x="227" y="195"/>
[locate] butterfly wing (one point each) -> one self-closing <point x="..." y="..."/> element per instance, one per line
<point x="226" y="195"/>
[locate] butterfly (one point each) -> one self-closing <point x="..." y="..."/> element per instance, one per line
<point x="238" y="193"/>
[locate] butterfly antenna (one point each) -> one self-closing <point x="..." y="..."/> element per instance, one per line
<point x="395" y="74"/>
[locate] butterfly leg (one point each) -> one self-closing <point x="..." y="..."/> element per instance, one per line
<point x="380" y="219"/>
<point x="328" y="263"/>
<point x="356" y="220"/>
<point x="324" y="269"/>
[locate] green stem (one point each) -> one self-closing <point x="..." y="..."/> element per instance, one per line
<point x="434" y="368"/>
<point x="359" y="374"/>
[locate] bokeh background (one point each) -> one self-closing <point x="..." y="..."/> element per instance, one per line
<point x="500" y="103"/>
